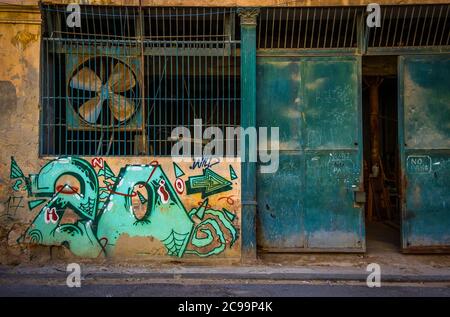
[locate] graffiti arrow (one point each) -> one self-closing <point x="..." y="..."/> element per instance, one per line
<point x="208" y="184"/>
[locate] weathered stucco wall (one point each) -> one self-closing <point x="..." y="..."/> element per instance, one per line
<point x="19" y="107"/>
<point x="110" y="207"/>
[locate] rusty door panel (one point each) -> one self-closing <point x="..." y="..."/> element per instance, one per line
<point x="308" y="204"/>
<point x="424" y="137"/>
<point x="333" y="153"/>
<point x="333" y="222"/>
<point x="279" y="222"/>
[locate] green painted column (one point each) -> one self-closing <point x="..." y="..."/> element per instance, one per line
<point x="248" y="119"/>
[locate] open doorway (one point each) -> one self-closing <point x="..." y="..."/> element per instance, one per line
<point x="381" y="152"/>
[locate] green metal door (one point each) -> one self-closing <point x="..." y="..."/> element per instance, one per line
<point x="424" y="138"/>
<point x="308" y="204"/>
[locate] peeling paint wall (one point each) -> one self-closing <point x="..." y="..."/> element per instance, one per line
<point x="19" y="107"/>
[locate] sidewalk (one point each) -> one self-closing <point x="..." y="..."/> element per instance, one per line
<point x="220" y="273"/>
<point x="308" y="267"/>
<point x="395" y="267"/>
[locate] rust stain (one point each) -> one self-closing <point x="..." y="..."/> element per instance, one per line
<point x="23" y="39"/>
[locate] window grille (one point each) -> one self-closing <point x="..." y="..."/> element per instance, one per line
<point x="315" y="28"/>
<point x="308" y="28"/>
<point x="123" y="81"/>
<point x="411" y="26"/>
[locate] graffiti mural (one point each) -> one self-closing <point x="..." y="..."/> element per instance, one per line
<point x="12" y="204"/>
<point x="208" y="184"/>
<point x="204" y="162"/>
<point x="86" y="207"/>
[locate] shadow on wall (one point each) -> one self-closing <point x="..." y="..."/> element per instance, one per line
<point x="8" y="96"/>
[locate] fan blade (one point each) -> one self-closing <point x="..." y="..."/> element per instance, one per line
<point x="91" y="109"/>
<point x="86" y="79"/>
<point x="121" y="79"/>
<point x="121" y="107"/>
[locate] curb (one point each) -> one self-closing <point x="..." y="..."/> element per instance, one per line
<point x="281" y="276"/>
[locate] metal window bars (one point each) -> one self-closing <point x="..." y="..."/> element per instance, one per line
<point x="119" y="84"/>
<point x="411" y="26"/>
<point x="315" y="28"/>
<point x="123" y="81"/>
<point x="308" y="28"/>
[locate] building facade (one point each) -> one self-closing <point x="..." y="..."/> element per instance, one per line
<point x="93" y="102"/>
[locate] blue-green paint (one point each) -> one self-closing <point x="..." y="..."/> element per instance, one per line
<point x="178" y="171"/>
<point x="17" y="184"/>
<point x="424" y="138"/>
<point x="15" y="171"/>
<point x="248" y="119"/>
<point x="233" y="175"/>
<point x="229" y="214"/>
<point x="208" y="184"/>
<point x="308" y="203"/>
<point x="34" y="203"/>
<point x="165" y="220"/>
<point x="17" y="174"/>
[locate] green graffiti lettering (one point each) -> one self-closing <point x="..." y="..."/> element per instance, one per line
<point x="105" y="213"/>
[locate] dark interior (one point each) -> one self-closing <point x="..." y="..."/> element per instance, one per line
<point x="382" y="182"/>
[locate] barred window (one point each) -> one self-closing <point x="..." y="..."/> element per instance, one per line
<point x="411" y="26"/>
<point x="119" y="84"/>
<point x="335" y="28"/>
<point x="308" y="28"/>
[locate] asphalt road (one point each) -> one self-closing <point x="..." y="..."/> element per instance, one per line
<point x="223" y="289"/>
